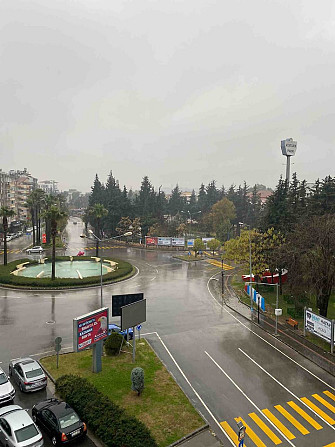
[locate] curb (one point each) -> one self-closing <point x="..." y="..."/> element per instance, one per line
<point x="330" y="371"/>
<point x="190" y="435"/>
<point x="90" y="435"/>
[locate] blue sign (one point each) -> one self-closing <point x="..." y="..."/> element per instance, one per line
<point x="139" y="327"/>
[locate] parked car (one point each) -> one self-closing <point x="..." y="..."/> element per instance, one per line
<point x="116" y="328"/>
<point x="37" y="249"/>
<point x="7" y="392"/>
<point x="28" y="374"/>
<point x="17" y="429"/>
<point x="9" y="237"/>
<point x="59" y="420"/>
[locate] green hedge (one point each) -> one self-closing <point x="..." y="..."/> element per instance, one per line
<point x="124" y="268"/>
<point x="107" y="420"/>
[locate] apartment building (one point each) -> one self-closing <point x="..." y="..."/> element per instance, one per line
<point x="15" y="187"/>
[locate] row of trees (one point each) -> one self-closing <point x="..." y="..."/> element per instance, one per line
<point x="307" y="252"/>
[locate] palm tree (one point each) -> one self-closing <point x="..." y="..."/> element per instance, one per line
<point x="54" y="214"/>
<point x="5" y="212"/>
<point x="98" y="211"/>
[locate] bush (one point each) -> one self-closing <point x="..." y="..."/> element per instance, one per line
<point x="137" y="380"/>
<point x="106" y="419"/>
<point x="113" y="343"/>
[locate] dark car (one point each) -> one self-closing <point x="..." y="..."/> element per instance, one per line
<point x="59" y="420"/>
<point x="116" y="328"/>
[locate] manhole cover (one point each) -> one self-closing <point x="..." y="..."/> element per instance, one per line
<point x="51" y="322"/>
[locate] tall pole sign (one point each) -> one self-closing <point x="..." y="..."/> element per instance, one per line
<point x="288" y="148"/>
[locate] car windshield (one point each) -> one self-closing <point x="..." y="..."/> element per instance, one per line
<point x="3" y="378"/>
<point x="68" y="419"/>
<point x="34" y="373"/>
<point x="26" y="433"/>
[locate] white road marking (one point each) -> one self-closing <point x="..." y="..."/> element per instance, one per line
<point x="48" y="352"/>
<point x="194" y="391"/>
<point x="267" y="342"/>
<point x="248" y="398"/>
<point x="283" y="386"/>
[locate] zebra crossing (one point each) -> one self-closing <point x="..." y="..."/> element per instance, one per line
<point x="286" y="422"/>
<point x="219" y="264"/>
<point x="11" y="251"/>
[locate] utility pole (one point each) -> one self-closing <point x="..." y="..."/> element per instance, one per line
<point x="222" y="280"/>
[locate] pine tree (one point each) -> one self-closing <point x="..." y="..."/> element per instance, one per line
<point x="202" y="199"/>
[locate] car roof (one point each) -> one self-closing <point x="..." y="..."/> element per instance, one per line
<point x="15" y="416"/>
<point x="28" y="364"/>
<point x="112" y="326"/>
<point x="58" y="407"/>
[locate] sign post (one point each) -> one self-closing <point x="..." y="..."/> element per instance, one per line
<point x="132" y="315"/>
<point x="58" y="347"/>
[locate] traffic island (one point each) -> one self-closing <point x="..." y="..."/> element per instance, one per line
<point x="33" y="273"/>
<point x="162" y="406"/>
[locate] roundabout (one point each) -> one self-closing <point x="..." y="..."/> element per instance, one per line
<point x="71" y="272"/>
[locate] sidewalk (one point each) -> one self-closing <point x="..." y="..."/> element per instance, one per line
<point x="290" y="337"/>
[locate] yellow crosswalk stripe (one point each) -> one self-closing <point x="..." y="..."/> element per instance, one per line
<point x="329" y="394"/>
<point x="274" y="438"/>
<point x="230" y="432"/>
<point x="293" y="420"/>
<point x="330" y="445"/>
<point x="305" y="415"/>
<point x="317" y="410"/>
<point x="278" y="424"/>
<point x="252" y="435"/>
<point x="324" y="402"/>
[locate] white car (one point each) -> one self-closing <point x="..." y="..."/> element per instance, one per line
<point x="17" y="429"/>
<point x="37" y="249"/>
<point x="28" y="374"/>
<point x="7" y="392"/>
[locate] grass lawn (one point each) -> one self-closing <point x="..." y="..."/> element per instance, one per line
<point x="162" y="407"/>
<point x="269" y="293"/>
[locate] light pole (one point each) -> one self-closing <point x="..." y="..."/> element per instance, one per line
<point x="129" y="233"/>
<point x="250" y="267"/>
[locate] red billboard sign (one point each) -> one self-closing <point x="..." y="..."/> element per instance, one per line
<point x="44" y="238"/>
<point x="90" y="328"/>
<point x="151" y="240"/>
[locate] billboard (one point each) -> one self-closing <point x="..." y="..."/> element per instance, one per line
<point x="190" y="242"/>
<point x="288" y="147"/>
<point x="90" y="328"/>
<point x="166" y="241"/>
<point x="178" y="241"/>
<point x="119" y="301"/>
<point x="320" y="326"/>
<point x="133" y="314"/>
<point x="151" y="240"/>
<point x="206" y="239"/>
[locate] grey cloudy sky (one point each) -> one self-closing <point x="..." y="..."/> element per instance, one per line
<point x="183" y="91"/>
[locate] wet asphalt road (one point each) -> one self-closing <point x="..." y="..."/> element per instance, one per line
<point x="228" y="367"/>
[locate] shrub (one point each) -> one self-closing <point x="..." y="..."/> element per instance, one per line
<point x="7" y="279"/>
<point x="137" y="380"/>
<point x="106" y="419"/>
<point x="113" y="343"/>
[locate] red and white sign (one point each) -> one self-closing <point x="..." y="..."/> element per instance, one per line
<point x="90" y="328"/>
<point x="151" y="240"/>
<point x="44" y="238"/>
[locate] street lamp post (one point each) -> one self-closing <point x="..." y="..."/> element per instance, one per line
<point x="222" y="280"/>
<point x="129" y="233"/>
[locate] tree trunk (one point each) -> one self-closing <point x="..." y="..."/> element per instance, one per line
<point x="53" y="257"/>
<point x="97" y="248"/>
<point x="48" y="231"/>
<point x="323" y="300"/>
<point x="5" y="228"/>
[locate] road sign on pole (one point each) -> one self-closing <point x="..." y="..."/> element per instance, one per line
<point x="58" y="347"/>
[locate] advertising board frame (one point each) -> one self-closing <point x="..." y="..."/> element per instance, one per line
<point x="313" y="323"/>
<point x="124" y="300"/>
<point x="89" y="318"/>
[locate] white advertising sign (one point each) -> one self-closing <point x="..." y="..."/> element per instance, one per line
<point x="320" y="326"/>
<point x="178" y="241"/>
<point x="288" y="147"/>
<point x="164" y="241"/>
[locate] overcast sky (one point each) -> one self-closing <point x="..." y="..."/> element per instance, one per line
<point x="183" y="91"/>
